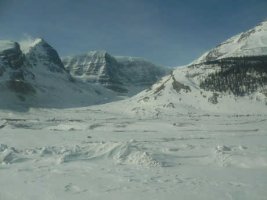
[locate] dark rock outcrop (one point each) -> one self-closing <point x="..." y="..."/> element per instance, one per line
<point x="11" y="55"/>
<point x="42" y="52"/>
<point x="13" y="68"/>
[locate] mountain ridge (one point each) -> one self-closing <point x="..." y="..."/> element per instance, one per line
<point x="230" y="78"/>
<point x="249" y="43"/>
<point x="122" y="74"/>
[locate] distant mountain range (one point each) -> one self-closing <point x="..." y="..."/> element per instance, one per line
<point x="37" y="77"/>
<point x="230" y="78"/>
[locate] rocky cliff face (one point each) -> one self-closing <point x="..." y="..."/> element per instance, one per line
<point x="10" y="54"/>
<point x="125" y="75"/>
<point x="14" y="72"/>
<point x="40" y="52"/>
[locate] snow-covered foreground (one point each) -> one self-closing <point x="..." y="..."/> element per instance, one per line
<point x="92" y="153"/>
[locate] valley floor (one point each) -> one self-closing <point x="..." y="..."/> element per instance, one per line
<point x="93" y="153"/>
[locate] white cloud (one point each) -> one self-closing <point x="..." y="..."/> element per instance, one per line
<point x="26" y="42"/>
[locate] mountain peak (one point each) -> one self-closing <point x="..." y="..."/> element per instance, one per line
<point x="39" y="41"/>
<point x="40" y="50"/>
<point x="97" y="53"/>
<point x="29" y="43"/>
<point x="246" y="44"/>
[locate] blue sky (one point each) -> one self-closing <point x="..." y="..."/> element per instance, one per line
<point x="167" y="32"/>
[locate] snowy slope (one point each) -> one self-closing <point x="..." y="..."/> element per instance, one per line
<point x="250" y="43"/>
<point x="125" y="75"/>
<point x="232" y="78"/>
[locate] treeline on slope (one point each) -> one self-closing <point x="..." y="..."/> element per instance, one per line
<point x="239" y="76"/>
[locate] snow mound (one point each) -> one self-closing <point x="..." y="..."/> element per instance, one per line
<point x="8" y="155"/>
<point x="129" y="154"/>
<point x="122" y="153"/>
<point x="126" y="153"/>
<point x="239" y="157"/>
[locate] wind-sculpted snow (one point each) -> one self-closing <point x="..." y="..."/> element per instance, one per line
<point x="127" y="153"/>
<point x="104" y="154"/>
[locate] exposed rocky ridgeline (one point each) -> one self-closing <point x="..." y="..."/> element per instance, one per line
<point x="125" y="75"/>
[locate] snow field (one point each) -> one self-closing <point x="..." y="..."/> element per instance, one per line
<point x="94" y="152"/>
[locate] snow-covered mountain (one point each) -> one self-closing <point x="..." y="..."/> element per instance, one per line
<point x="36" y="77"/>
<point x="230" y="78"/>
<point x="125" y="75"/>
<point x="250" y="43"/>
